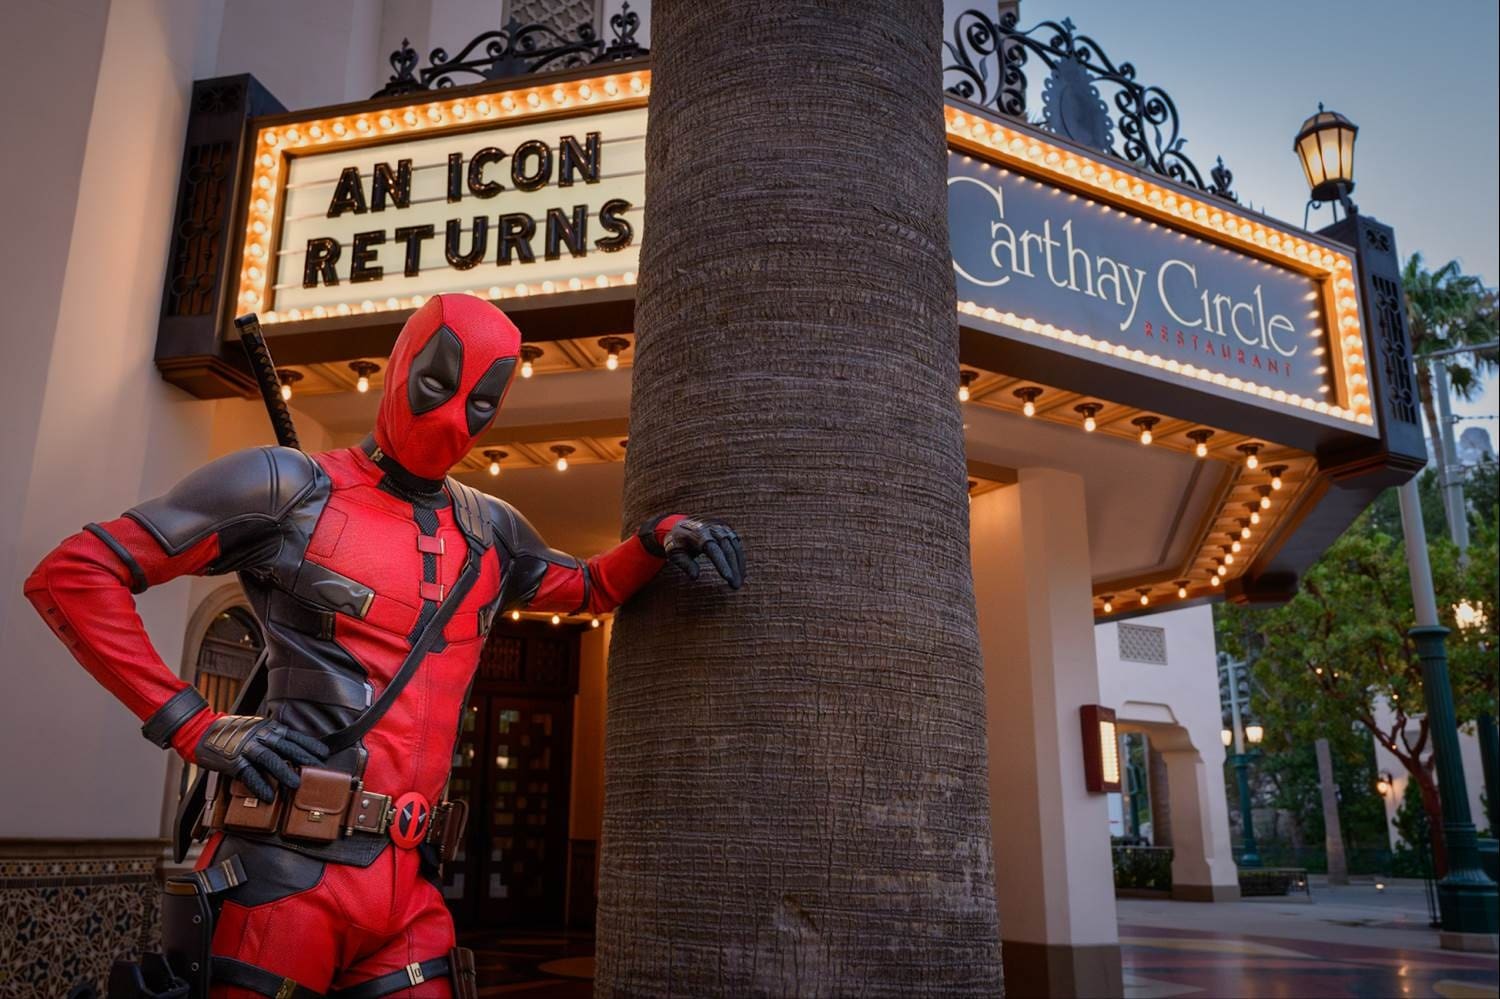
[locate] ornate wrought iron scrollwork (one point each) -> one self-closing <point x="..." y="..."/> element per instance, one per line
<point x="514" y="50"/>
<point x="987" y="66"/>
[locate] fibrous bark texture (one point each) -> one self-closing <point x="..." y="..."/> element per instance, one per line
<point x="796" y="791"/>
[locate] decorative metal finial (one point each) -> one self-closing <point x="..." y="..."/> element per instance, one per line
<point x="514" y="50"/>
<point x="987" y="66"/>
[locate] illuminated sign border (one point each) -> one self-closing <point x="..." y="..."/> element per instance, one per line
<point x="1068" y="168"/>
<point x="288" y="137"/>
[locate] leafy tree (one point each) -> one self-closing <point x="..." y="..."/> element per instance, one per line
<point x="1288" y="779"/>
<point x="1323" y="660"/>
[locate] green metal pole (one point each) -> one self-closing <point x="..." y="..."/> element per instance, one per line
<point x="1250" y="853"/>
<point x="1489" y="753"/>
<point x="1467" y="898"/>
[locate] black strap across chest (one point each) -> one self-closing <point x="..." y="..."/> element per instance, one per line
<point x="420" y="647"/>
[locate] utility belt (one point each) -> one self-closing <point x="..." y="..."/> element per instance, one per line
<point x="332" y="805"/>
<point x="185" y="969"/>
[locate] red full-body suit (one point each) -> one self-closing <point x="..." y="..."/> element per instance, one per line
<point x="344" y="555"/>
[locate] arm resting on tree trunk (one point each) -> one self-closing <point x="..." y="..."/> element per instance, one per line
<point x="605" y="581"/>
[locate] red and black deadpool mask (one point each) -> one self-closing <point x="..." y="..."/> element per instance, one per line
<point x="447" y="376"/>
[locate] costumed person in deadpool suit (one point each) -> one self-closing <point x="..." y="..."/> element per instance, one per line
<point x="326" y="825"/>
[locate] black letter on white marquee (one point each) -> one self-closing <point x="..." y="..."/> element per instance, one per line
<point x="349" y="195"/>
<point x="322" y="254"/>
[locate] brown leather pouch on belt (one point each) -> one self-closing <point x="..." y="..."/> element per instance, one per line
<point x="247" y="813"/>
<point x="461" y="974"/>
<point x="451" y="835"/>
<point x="318" y="806"/>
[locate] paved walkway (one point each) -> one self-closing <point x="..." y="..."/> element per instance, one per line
<point x="1342" y="942"/>
<point x="1347" y="941"/>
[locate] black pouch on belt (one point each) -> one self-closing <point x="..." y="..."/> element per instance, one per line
<point x="187" y="921"/>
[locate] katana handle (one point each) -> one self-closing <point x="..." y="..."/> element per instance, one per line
<point x="264" y="369"/>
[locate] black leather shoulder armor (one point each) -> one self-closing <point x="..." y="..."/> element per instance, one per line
<point x="471" y="511"/>
<point x="526" y="554"/>
<point x="251" y="490"/>
<point x="519" y="539"/>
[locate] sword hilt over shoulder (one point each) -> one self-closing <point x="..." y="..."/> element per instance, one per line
<point x="264" y="369"/>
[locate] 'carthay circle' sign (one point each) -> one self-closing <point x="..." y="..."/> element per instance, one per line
<point x="1090" y="256"/>
<point x="1043" y="252"/>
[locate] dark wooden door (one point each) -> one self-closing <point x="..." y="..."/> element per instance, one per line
<point x="513" y="764"/>
<point x="523" y="863"/>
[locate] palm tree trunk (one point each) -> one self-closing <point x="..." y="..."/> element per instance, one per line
<point x="796" y="793"/>
<point x="1426" y="391"/>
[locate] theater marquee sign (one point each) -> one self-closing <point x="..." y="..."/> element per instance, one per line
<point x="508" y="195"/>
<point x="1087" y="255"/>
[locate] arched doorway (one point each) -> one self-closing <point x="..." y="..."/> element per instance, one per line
<point x="227" y="653"/>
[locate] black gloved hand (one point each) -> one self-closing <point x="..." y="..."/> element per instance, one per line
<point x="689" y="538"/>
<point x="257" y="750"/>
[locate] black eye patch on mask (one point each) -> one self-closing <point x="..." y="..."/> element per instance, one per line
<point x="485" y="398"/>
<point x="435" y="372"/>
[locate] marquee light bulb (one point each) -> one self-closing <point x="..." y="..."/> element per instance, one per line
<point x="1028" y="397"/>
<point x="562" y="464"/>
<point x="1109" y="605"/>
<point x="556" y="619"/>
<point x="526" y="369"/>
<point x="1255" y="516"/>
<point x="1265" y="502"/>
<point x="1145" y="599"/>
<point x="1181" y="592"/>
<point x="612" y="362"/>
<point x="1215" y="579"/>
<point x="1088" y="410"/>
<point x="363" y="385"/>
<point x="593" y="622"/>
<point x="286" y="393"/>
<point x="515" y="615"/>
<point x="963" y="393"/>
<point x="1029" y="409"/>
<point x="1229" y="558"/>
<point x="1089" y="424"/>
<point x="1249" y="451"/>
<point x="1235" y="547"/>
<point x="1147" y="424"/>
<point x="1245" y="533"/>
<point x="1276" y="471"/>
<point x="494" y="468"/>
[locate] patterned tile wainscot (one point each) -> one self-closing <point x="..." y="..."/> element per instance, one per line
<point x="69" y="909"/>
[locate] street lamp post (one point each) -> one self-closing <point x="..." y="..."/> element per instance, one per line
<point x="1466" y="895"/>
<point x="1237" y="738"/>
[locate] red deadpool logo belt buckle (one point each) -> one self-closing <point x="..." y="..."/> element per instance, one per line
<point x="409" y="823"/>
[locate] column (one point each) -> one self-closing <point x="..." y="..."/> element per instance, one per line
<point x="1203" y="867"/>
<point x="1053" y="872"/>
